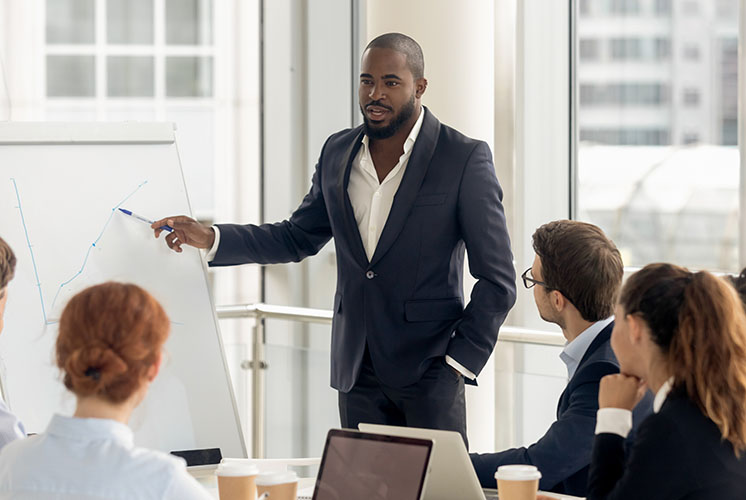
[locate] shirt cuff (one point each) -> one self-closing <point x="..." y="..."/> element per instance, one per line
<point x="210" y="256"/>
<point x="460" y="368"/>
<point x="614" y="421"/>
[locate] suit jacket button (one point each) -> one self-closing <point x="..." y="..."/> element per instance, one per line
<point x="370" y="275"/>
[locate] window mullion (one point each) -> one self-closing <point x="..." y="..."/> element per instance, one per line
<point x="159" y="45"/>
<point x="101" y="62"/>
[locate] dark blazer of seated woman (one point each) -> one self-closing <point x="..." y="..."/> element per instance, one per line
<point x="683" y="335"/>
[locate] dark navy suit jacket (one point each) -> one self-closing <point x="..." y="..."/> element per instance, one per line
<point x="563" y="454"/>
<point x="678" y="453"/>
<point x="407" y="302"/>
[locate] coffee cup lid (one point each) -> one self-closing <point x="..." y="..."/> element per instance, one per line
<point x="235" y="468"/>
<point x="277" y="478"/>
<point x="517" y="473"/>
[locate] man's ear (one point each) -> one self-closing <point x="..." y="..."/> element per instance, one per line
<point x="558" y="301"/>
<point x="420" y="86"/>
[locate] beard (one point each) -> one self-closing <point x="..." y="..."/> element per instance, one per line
<point x="375" y="132"/>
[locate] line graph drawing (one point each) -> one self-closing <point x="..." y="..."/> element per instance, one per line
<point x="85" y="259"/>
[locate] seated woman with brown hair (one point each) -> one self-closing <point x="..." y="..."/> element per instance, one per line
<point x="109" y="351"/>
<point x="683" y="336"/>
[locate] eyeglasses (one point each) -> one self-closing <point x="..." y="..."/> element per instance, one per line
<point x="530" y="282"/>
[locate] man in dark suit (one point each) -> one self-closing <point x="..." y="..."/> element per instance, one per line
<point x="402" y="195"/>
<point x="576" y="276"/>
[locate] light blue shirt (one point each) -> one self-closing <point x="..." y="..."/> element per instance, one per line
<point x="575" y="350"/>
<point x="10" y="427"/>
<point x="91" y="459"/>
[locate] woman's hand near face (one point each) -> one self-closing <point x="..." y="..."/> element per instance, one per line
<point x="620" y="391"/>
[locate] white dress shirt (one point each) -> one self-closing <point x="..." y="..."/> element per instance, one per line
<point x="91" y="459"/>
<point x="10" y="427"/>
<point x="372" y="199"/>
<point x="576" y="349"/>
<point x="619" y="420"/>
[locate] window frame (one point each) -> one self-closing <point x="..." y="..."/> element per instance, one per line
<point x="101" y="103"/>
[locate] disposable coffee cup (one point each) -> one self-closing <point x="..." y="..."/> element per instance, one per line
<point x="279" y="485"/>
<point x="236" y="480"/>
<point x="517" y="482"/>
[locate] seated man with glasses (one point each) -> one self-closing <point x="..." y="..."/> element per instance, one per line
<point x="576" y="276"/>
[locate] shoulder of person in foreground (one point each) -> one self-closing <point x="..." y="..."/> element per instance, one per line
<point x="11" y="428"/>
<point x="658" y="464"/>
<point x="172" y="471"/>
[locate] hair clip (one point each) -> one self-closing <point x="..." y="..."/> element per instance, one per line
<point x="94" y="373"/>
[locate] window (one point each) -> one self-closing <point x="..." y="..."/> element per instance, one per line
<point x="589" y="49"/>
<point x="729" y="132"/>
<point x="643" y="152"/>
<point x="662" y="8"/>
<point x="625" y="136"/>
<point x="623" y="94"/>
<point x="135" y="64"/>
<point x="691" y="97"/>
<point x="624" y="7"/>
<point x="661" y="49"/>
<point x="70" y="21"/>
<point x="690" y="138"/>
<point x="624" y="49"/>
<point x="728" y="83"/>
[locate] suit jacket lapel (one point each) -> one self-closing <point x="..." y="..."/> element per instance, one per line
<point x="603" y="336"/>
<point x="353" y="232"/>
<point x="415" y="172"/>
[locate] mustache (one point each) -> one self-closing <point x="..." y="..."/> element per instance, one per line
<point x="378" y="104"/>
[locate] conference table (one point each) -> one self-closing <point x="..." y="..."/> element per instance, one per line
<point x="305" y="486"/>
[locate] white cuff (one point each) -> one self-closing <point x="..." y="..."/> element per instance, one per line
<point x="614" y="421"/>
<point x="211" y="253"/>
<point x="460" y="368"/>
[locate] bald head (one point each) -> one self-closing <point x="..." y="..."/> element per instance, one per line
<point x="404" y="45"/>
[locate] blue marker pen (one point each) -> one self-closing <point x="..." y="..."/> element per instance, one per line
<point x="141" y="218"/>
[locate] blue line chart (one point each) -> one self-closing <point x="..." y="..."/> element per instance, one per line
<point x="87" y="255"/>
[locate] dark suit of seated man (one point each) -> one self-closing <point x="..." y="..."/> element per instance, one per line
<point x="576" y="276"/>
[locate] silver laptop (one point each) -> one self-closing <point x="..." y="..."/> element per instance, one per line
<point x="452" y="474"/>
<point x="372" y="466"/>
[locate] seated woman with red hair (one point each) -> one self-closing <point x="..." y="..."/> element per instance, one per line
<point x="109" y="351"/>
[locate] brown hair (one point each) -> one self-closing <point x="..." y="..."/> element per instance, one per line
<point x="109" y="336"/>
<point x="579" y="261"/>
<point x="7" y="264"/>
<point x="698" y="322"/>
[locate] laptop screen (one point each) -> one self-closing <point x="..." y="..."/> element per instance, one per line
<point x="372" y="466"/>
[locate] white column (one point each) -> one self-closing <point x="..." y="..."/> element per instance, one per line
<point x="458" y="40"/>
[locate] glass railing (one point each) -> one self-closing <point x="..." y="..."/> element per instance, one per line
<point x="281" y="377"/>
